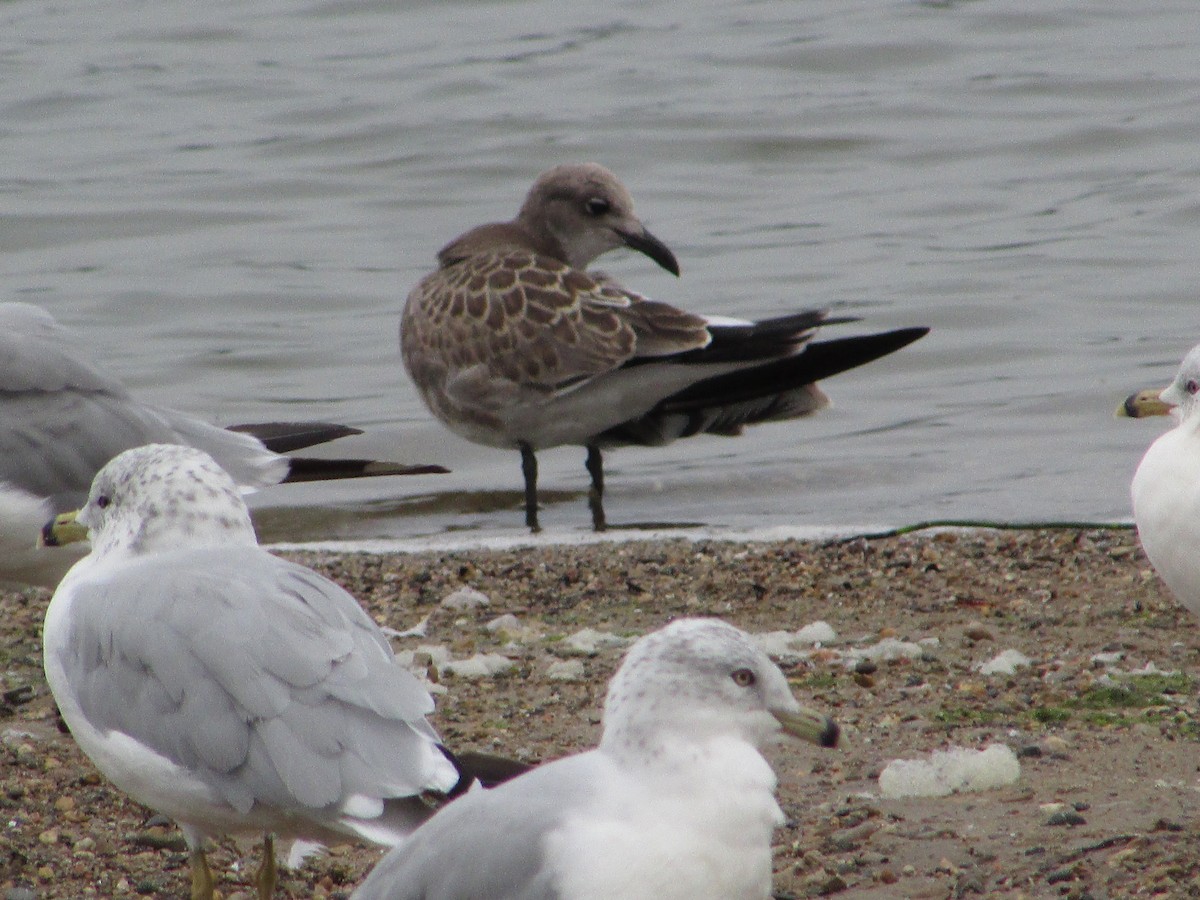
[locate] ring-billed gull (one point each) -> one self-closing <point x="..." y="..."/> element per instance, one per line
<point x="511" y="343"/>
<point x="1166" y="486"/>
<point x="62" y="418"/>
<point x="225" y="687"/>
<point x="676" y="802"/>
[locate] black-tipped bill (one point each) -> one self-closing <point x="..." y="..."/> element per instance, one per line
<point x="648" y="244"/>
<point x="62" y="529"/>
<point x="809" y="725"/>
<point x="1144" y="404"/>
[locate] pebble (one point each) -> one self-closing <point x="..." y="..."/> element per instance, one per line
<point x="793" y="645"/>
<point x="588" y="642"/>
<point x="1005" y="663"/>
<point x="891" y="648"/>
<point x="1056" y="746"/>
<point x="481" y="665"/>
<point x="20" y="893"/>
<point x="1066" y="817"/>
<point x="465" y="598"/>
<point x="507" y="622"/>
<point x="565" y="670"/>
<point x="977" y="632"/>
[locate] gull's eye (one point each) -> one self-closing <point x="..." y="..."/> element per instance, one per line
<point x="1192" y="386"/>
<point x="597" y="206"/>
<point x="103" y="500"/>
<point x="743" y="678"/>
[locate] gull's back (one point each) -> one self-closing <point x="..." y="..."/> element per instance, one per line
<point x="62" y="418"/>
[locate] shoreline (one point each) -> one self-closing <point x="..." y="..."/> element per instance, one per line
<point x="507" y="539"/>
<point x="1116" y="750"/>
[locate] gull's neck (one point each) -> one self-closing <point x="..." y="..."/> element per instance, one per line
<point x="168" y="533"/>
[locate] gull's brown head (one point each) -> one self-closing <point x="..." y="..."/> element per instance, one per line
<point x="586" y="211"/>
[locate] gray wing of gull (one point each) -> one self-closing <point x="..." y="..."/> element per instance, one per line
<point x="62" y="418"/>
<point x="489" y="845"/>
<point x="265" y="680"/>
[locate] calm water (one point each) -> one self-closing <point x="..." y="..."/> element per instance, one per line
<point x="233" y="199"/>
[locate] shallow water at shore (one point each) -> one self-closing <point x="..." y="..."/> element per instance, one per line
<point x="233" y="208"/>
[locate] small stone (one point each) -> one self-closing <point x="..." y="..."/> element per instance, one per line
<point x="49" y="836"/>
<point x="1066" y="817"/>
<point x="1167" y="825"/>
<point x="507" y="622"/>
<point x="1056" y="746"/>
<point x="866" y="666"/>
<point x="587" y="642"/>
<point x="65" y="803"/>
<point x="977" y="632"/>
<point x="465" y="598"/>
<point x="565" y="670"/>
<point x="20" y="893"/>
<point x="835" y="884"/>
<point x="481" y="665"/>
<point x="1030" y="751"/>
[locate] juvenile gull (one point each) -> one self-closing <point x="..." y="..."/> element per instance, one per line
<point x="1166" y="486"/>
<point x="62" y="418"/>
<point x="512" y="343"/>
<point x="225" y="687"/>
<point x="676" y="802"/>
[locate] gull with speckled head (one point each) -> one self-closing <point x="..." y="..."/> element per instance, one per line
<point x="224" y="687"/>
<point x="62" y="417"/>
<point x="1166" y="485"/>
<point x="513" y="343"/>
<point x="676" y="803"/>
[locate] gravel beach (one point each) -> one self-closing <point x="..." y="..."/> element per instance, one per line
<point x="1103" y="718"/>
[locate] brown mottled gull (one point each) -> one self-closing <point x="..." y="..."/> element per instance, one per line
<point x="512" y="343"/>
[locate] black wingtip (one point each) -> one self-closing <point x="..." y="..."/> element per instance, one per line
<point x="303" y="468"/>
<point x="487" y="769"/>
<point x="287" y="437"/>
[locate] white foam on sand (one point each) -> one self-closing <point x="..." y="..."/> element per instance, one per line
<point x="950" y="771"/>
<point x="1004" y="663"/>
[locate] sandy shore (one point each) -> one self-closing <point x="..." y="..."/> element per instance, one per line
<point x="1105" y="804"/>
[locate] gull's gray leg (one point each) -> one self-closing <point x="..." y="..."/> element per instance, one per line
<point x="595" y="467"/>
<point x="529" y="470"/>
<point x="265" y="877"/>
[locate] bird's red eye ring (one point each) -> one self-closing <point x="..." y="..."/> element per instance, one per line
<point x="1192" y="386"/>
